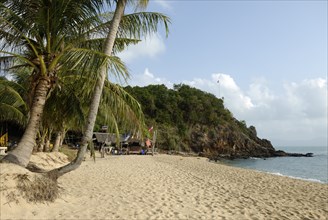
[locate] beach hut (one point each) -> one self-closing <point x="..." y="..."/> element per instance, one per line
<point x="107" y="143"/>
<point x="110" y="141"/>
<point x="103" y="142"/>
<point x="103" y="138"/>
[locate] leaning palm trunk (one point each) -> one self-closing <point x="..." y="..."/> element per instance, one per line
<point x="87" y="135"/>
<point x="22" y="153"/>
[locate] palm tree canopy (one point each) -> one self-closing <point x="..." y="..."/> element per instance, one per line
<point x="50" y="38"/>
<point x="12" y="105"/>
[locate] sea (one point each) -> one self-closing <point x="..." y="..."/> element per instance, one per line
<point x="313" y="169"/>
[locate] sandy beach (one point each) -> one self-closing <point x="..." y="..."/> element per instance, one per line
<point x="169" y="187"/>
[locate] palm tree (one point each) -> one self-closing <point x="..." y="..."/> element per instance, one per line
<point x="66" y="109"/>
<point x="53" y="38"/>
<point x="146" y="26"/>
<point x="42" y="36"/>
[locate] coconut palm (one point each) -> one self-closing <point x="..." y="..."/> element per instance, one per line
<point x="53" y="38"/>
<point x="146" y="26"/>
<point x="91" y="119"/>
<point x="67" y="108"/>
<point x="41" y="36"/>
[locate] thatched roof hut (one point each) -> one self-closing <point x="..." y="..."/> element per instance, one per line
<point x="110" y="137"/>
<point x="104" y="137"/>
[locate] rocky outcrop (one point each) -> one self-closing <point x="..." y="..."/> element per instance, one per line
<point x="280" y="153"/>
<point x="225" y="141"/>
<point x="229" y="142"/>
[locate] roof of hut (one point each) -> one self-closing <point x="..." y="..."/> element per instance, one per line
<point x="110" y="137"/>
<point x="105" y="137"/>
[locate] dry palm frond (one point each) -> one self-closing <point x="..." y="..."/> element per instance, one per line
<point x="38" y="190"/>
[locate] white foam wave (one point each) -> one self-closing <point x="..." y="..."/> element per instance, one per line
<point x="299" y="178"/>
<point x="255" y="158"/>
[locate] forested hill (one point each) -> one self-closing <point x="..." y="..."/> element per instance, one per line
<point x="190" y="120"/>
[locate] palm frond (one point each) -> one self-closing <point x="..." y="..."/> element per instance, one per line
<point x="62" y="106"/>
<point x="120" y="105"/>
<point x="141" y="24"/>
<point x="6" y="62"/>
<point x="117" y="67"/>
<point x="119" y="45"/>
<point x="14" y="28"/>
<point x="10" y="113"/>
<point x="9" y="95"/>
<point x="88" y="62"/>
<point x="16" y="56"/>
<point x="133" y="25"/>
<point x="12" y="105"/>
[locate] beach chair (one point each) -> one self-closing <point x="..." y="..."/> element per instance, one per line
<point x="3" y="151"/>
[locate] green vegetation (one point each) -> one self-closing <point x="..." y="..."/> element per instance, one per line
<point x="176" y="112"/>
<point x="65" y="51"/>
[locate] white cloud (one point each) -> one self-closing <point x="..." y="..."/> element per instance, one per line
<point x="260" y="93"/>
<point x="297" y="115"/>
<point x="294" y="116"/>
<point x="148" y="78"/>
<point x="310" y="96"/>
<point x="164" y="4"/>
<point x="150" y="46"/>
<point x="220" y="84"/>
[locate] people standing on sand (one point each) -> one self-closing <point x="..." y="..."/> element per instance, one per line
<point x="148" y="144"/>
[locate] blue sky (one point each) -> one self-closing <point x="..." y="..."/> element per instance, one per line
<point x="270" y="58"/>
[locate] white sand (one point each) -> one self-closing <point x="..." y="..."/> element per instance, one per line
<point x="170" y="187"/>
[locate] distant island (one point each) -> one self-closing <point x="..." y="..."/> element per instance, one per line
<point x="192" y="121"/>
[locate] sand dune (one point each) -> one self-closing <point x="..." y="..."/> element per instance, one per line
<point x="170" y="187"/>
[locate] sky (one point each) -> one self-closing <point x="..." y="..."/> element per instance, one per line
<point x="267" y="59"/>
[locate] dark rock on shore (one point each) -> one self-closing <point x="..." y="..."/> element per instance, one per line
<point x="280" y="153"/>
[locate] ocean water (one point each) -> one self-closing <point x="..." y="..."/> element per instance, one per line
<point x="307" y="168"/>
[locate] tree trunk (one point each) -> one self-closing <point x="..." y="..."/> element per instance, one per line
<point x="22" y="153"/>
<point x="48" y="138"/>
<point x="57" y="142"/>
<point x="41" y="146"/>
<point x="63" y="134"/>
<point x="47" y="145"/>
<point x="88" y="131"/>
<point x="42" y="143"/>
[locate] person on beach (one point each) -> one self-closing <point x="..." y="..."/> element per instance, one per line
<point x="148" y="143"/>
